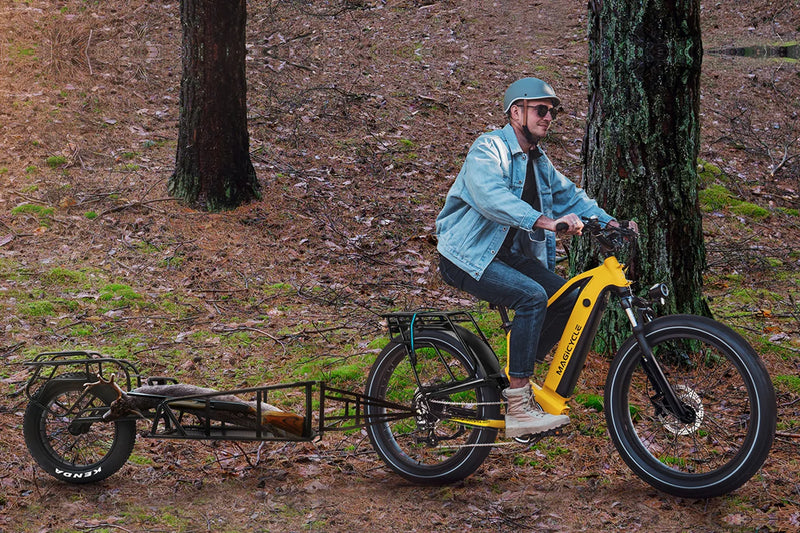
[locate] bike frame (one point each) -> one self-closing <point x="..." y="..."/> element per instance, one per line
<point x="585" y="296"/>
<point x="576" y="340"/>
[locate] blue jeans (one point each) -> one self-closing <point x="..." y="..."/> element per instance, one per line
<point x="521" y="284"/>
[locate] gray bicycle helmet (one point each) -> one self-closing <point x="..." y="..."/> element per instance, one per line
<point x="528" y="89"/>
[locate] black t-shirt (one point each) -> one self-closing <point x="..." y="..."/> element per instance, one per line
<point x="529" y="193"/>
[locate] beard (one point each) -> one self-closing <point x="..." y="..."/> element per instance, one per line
<point x="532" y="139"/>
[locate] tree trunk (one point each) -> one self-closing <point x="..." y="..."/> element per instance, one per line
<point x="213" y="170"/>
<point x="642" y="140"/>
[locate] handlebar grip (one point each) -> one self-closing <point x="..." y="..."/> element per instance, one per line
<point x="561" y="226"/>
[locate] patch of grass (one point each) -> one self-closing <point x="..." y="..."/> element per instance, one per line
<point x="56" y="161"/>
<point x="10" y="268"/>
<point x="38" y="308"/>
<point x="709" y="173"/>
<point x="172" y="305"/>
<point x="378" y="343"/>
<point x="748" y="210"/>
<point x="137" y="459"/>
<point x="81" y="330"/>
<point x="333" y="370"/>
<point x="147" y="247"/>
<point x="489" y="322"/>
<point x="41" y="212"/>
<point x="590" y="401"/>
<point x="679" y="462"/>
<point x="788" y="211"/>
<point x="24" y="52"/>
<point x="239" y="338"/>
<point x="174" y="262"/>
<point x="787" y="383"/>
<point x="120" y="293"/>
<point x="716" y="197"/>
<point x="763" y="345"/>
<point x="277" y="288"/>
<point x="64" y="276"/>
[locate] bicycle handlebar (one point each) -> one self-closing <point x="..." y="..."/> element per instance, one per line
<point x="610" y="238"/>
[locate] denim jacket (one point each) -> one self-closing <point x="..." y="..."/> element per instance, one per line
<point x="485" y="201"/>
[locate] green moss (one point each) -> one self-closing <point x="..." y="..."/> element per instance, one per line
<point x="748" y="210"/>
<point x="37" y="309"/>
<point x="708" y="173"/>
<point x="277" y="288"/>
<point x="64" y="276"/>
<point x="40" y="211"/>
<point x="590" y="401"/>
<point x="121" y="293"/>
<point x="56" y="161"/>
<point x="715" y="197"/>
<point x="378" y="343"/>
<point x="787" y="383"/>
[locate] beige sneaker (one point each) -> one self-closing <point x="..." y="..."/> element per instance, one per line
<point x="523" y="417"/>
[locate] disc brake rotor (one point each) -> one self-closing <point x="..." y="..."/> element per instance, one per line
<point x="692" y="401"/>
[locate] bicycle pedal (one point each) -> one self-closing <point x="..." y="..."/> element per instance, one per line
<point x="530" y="439"/>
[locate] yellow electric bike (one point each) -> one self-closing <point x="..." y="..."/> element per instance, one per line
<point x="688" y="403"/>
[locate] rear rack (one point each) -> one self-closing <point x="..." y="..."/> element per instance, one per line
<point x="403" y="326"/>
<point x="49" y="365"/>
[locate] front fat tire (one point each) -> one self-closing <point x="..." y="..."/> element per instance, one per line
<point x="404" y="445"/>
<point x="717" y="373"/>
<point x="75" y="453"/>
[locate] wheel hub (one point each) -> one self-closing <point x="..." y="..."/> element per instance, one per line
<point x="692" y="401"/>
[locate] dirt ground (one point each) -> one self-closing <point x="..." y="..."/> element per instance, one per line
<point x="360" y="114"/>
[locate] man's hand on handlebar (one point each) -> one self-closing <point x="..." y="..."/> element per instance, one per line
<point x="570" y="224"/>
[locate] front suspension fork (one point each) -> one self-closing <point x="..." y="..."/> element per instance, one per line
<point x="653" y="369"/>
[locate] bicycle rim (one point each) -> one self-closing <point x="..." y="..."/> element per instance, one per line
<point x="725" y="386"/>
<point x="435" y="445"/>
<point x="64" y="436"/>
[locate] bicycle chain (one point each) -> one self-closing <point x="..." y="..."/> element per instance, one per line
<point x="465" y="404"/>
<point x="530" y="442"/>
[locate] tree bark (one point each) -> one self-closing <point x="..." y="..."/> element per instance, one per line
<point x="213" y="170"/>
<point x="642" y="140"/>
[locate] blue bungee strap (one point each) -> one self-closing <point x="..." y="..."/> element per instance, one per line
<point x="413" y="318"/>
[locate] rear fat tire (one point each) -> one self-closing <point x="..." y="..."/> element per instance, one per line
<point x="717" y="374"/>
<point x="404" y="445"/>
<point x="76" y="453"/>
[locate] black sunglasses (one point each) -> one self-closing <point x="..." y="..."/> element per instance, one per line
<point x="542" y="110"/>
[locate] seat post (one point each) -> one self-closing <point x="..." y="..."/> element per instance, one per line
<point x="506" y="325"/>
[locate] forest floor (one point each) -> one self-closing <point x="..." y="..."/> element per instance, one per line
<point x="360" y="114"/>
